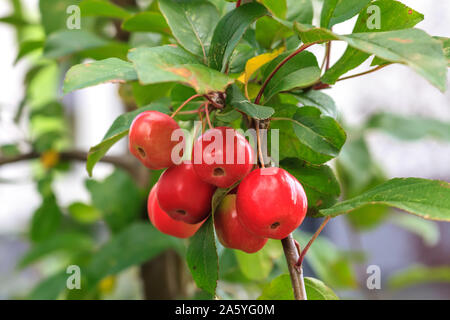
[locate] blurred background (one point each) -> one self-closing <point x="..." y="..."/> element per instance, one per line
<point x="395" y="245"/>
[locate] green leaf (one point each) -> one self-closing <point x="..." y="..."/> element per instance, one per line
<point x="27" y="47"/>
<point x="117" y="131"/>
<point x="319" y="183"/>
<point x="173" y="64"/>
<point x="429" y="199"/>
<point x="144" y="95"/>
<point x="50" y="288"/>
<point x="269" y="31"/>
<point x="320" y="137"/>
<point x="84" y="213"/>
<point x="111" y="50"/>
<point x="427" y="230"/>
<point x="277" y="7"/>
<point x="299" y="72"/>
<point x="202" y="258"/>
<point x="409" y="127"/>
<point x="337" y="11"/>
<point x="317" y="290"/>
<point x="63" y="242"/>
<point x="412" y="47"/>
<point x="101" y="8"/>
<point x="318" y="99"/>
<point x="419" y="274"/>
<point x="93" y="73"/>
<point x="281" y="289"/>
<point x="236" y="99"/>
<point x="230" y="30"/>
<point x="134" y="245"/>
<point x="300" y="10"/>
<point x="395" y="16"/>
<point x="227" y="116"/>
<point x="330" y="264"/>
<point x="240" y="56"/>
<point x="148" y="21"/>
<point x="118" y="198"/>
<point x="257" y="266"/>
<point x="192" y="23"/>
<point x="66" y="42"/>
<point x="446" y="47"/>
<point x="46" y="220"/>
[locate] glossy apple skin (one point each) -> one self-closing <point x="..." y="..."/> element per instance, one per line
<point x="150" y="139"/>
<point x="166" y="224"/>
<point x="271" y="203"/>
<point x="211" y="164"/>
<point x="183" y="195"/>
<point x="230" y="231"/>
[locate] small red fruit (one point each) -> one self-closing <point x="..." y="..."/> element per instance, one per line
<point x="222" y="157"/>
<point x="271" y="203"/>
<point x="230" y="231"/>
<point x="183" y="195"/>
<point x="150" y="139"/>
<point x="166" y="224"/>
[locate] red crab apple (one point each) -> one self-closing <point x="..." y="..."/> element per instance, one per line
<point x="271" y="203"/>
<point x="230" y="231"/>
<point x="150" y="139"/>
<point x="222" y="157"/>
<point x="183" y="195"/>
<point x="166" y="224"/>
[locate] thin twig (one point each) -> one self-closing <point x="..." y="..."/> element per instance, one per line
<point x="184" y="104"/>
<point x="363" y="73"/>
<point x="305" y="250"/>
<point x="326" y="58"/>
<point x="278" y="67"/>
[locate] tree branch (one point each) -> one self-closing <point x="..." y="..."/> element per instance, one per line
<point x="74" y="155"/>
<point x="296" y="272"/>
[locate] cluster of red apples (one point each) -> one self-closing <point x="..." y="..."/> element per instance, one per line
<point x="268" y="202"/>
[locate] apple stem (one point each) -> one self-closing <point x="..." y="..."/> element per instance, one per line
<point x="258" y="142"/>
<point x="185" y="103"/>
<point x="278" y="67"/>
<point x="207" y="116"/>
<point x="305" y="250"/>
<point x="295" y="272"/>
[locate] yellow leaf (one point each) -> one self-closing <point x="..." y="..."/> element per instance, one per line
<point x="257" y="62"/>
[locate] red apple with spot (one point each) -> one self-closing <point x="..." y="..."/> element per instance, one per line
<point x="230" y="231"/>
<point x="271" y="203"/>
<point x="166" y="224"/>
<point x="222" y="157"/>
<point x="150" y="139"/>
<point x="183" y="195"/>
